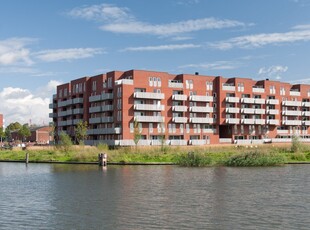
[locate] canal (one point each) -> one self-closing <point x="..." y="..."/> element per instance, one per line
<point x="57" y="196"/>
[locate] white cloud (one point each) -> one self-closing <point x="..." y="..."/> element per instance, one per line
<point x="258" y="40"/>
<point x="22" y="105"/>
<point x="14" y="51"/>
<point x="274" y="71"/>
<point x="119" y="20"/>
<point x="219" y="65"/>
<point x="67" y="54"/>
<point x="162" y="47"/>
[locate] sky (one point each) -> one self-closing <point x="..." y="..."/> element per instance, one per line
<point x="47" y="43"/>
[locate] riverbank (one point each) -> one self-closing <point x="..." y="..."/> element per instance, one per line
<point x="263" y="155"/>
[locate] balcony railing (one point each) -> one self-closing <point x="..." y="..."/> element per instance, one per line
<point x="201" y="109"/>
<point x="291" y="113"/>
<point x="201" y="120"/>
<point x="179" y="119"/>
<point x="260" y="111"/>
<point x="62" y="113"/>
<point x="258" y="90"/>
<point x="232" y="120"/>
<point x="52" y="106"/>
<point x="272" y="101"/>
<point x="291" y="122"/>
<point x="179" y="108"/>
<point x="124" y="82"/>
<point x="291" y="103"/>
<point x="306" y="104"/>
<point x="78" y="100"/>
<point x="65" y="103"/>
<point x="232" y="110"/>
<point x="104" y="131"/>
<point x="107" y="108"/>
<point x="306" y="113"/>
<point x="78" y="111"/>
<point x="95" y="109"/>
<point x="228" y="88"/>
<point x="306" y="123"/>
<point x="177" y="142"/>
<point x="282" y="131"/>
<point x="94" y="120"/>
<point x="198" y="142"/>
<point x="260" y="121"/>
<point x="179" y="97"/>
<point x="76" y="121"/>
<point x="273" y="111"/>
<point x="107" y="119"/>
<point x="259" y="101"/>
<point x="201" y="98"/>
<point x="149" y="118"/>
<point x="94" y="98"/>
<point x="273" y="122"/>
<point x="248" y="121"/>
<point x="232" y="99"/>
<point x="149" y="107"/>
<point x="248" y="100"/>
<point x="146" y="95"/>
<point x="107" y="96"/>
<point x="175" y="84"/>
<point x="294" y="93"/>
<point x="52" y="115"/>
<point x="209" y="130"/>
<point x="248" y="110"/>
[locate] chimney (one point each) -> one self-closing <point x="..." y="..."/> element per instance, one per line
<point x="196" y="73"/>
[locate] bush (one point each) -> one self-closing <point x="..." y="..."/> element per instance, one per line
<point x="298" y="156"/>
<point x="255" y="158"/>
<point x="193" y="159"/>
<point x="65" y="142"/>
<point x="296" y="145"/>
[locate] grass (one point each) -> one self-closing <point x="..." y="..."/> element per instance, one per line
<point x="263" y="155"/>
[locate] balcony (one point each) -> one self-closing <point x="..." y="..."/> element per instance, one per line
<point x="107" y="96"/>
<point x="248" y="100"/>
<point x="179" y="97"/>
<point x="76" y="121"/>
<point x="260" y="121"/>
<point x="248" y="110"/>
<point x="258" y="90"/>
<point x="198" y="142"/>
<point x="306" y="113"/>
<point x="95" y="109"/>
<point x="106" y="108"/>
<point x="124" y="82"/>
<point x="294" y="93"/>
<point x="69" y="122"/>
<point x="179" y="108"/>
<point x="291" y="103"/>
<point x="52" y="106"/>
<point x="62" y="113"/>
<point x="201" y="98"/>
<point x="282" y="131"/>
<point x="291" y="113"/>
<point x="52" y="115"/>
<point x="232" y="110"/>
<point x="94" y="98"/>
<point x="232" y="120"/>
<point x="306" y="104"/>
<point x="273" y="111"/>
<point x="259" y="101"/>
<point x="78" y="111"/>
<point x="201" y="109"/>
<point x="209" y="131"/>
<point x="65" y="103"/>
<point x="201" y="120"/>
<point x="272" y="101"/>
<point x="149" y="107"/>
<point x="77" y="100"/>
<point x="104" y="131"/>
<point x="145" y="95"/>
<point x="107" y="119"/>
<point x="228" y="88"/>
<point x="248" y="121"/>
<point x="291" y="122"/>
<point x="273" y="122"/>
<point x="179" y="119"/>
<point x="306" y="123"/>
<point x="232" y="99"/>
<point x="62" y="123"/>
<point x="172" y="84"/>
<point x="95" y="120"/>
<point x="149" y="118"/>
<point x="177" y="142"/>
<point x="260" y="111"/>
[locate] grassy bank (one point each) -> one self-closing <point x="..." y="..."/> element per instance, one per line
<point x="186" y="156"/>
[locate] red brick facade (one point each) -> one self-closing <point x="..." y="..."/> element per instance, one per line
<point x="185" y="109"/>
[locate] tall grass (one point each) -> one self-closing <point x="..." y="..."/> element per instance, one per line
<point x="193" y="159"/>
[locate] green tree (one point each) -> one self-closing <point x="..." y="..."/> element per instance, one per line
<point x="2" y="134"/>
<point x="15" y="126"/>
<point x="52" y="131"/>
<point x="136" y="133"/>
<point x="65" y="142"/>
<point x="24" y="132"/>
<point x="296" y="145"/>
<point x="81" y="132"/>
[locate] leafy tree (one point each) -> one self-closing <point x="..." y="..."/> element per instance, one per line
<point x="52" y="131"/>
<point x="12" y="127"/>
<point x="65" y="141"/>
<point x="81" y="132"/>
<point x="136" y="133"/>
<point x="2" y="134"/>
<point x="296" y="145"/>
<point x="24" y="132"/>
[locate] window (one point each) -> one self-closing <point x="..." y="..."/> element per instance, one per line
<point x="181" y="128"/>
<point x="209" y="85"/>
<point x="150" y="81"/>
<point x="240" y="87"/>
<point x="189" y="84"/>
<point x="60" y="93"/>
<point x="170" y="128"/>
<point x="65" y="92"/>
<point x="158" y="127"/>
<point x="151" y="127"/>
<point x="282" y="90"/>
<point x="159" y="82"/>
<point x="187" y="128"/>
<point x="154" y="81"/>
<point x="272" y="89"/>
<point x="131" y="127"/>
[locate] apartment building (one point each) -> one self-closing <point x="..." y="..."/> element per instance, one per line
<point x="184" y="109"/>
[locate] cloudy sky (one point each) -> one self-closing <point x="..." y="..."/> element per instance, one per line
<point x="45" y="43"/>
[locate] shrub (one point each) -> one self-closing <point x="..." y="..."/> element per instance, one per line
<point x="296" y="145"/>
<point x="193" y="159"/>
<point x="255" y="158"/>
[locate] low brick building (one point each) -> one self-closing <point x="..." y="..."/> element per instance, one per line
<point x="39" y="135"/>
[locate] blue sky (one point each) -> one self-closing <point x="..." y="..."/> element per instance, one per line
<point x="44" y="43"/>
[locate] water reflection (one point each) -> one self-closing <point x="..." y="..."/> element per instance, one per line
<point x="161" y="197"/>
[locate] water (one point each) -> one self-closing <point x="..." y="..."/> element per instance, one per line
<point x="46" y="196"/>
